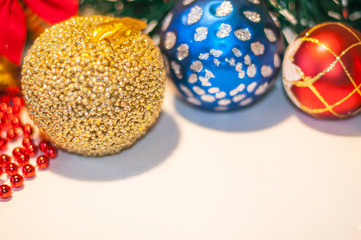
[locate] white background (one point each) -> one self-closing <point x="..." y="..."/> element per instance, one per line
<point x="267" y="172"/>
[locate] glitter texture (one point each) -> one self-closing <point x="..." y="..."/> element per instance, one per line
<point x="194" y="15"/>
<point x="270" y="34"/>
<point x="203" y="56"/>
<point x="201" y="34"/>
<point x="167" y="21"/>
<point x="213" y="90"/>
<point x="192" y="78"/>
<point x="176" y="69"/>
<point x="247" y="60"/>
<point x="262" y="88"/>
<point x="198" y="90"/>
<point x="277" y="61"/>
<point x="257" y="48"/>
<point x="187" y="2"/>
<point x="266" y="71"/>
<point x="92" y="98"/>
<point x="208" y="98"/>
<point x="251" y="86"/>
<point x="225" y="9"/>
<point x="236" y="52"/>
<point x="239" y="67"/>
<point x="224" y="30"/>
<point x="251" y="71"/>
<point x="252" y="16"/>
<point x="182" y="51"/>
<point x="216" y="53"/>
<point x="197" y="66"/>
<point x="170" y="39"/>
<point x="243" y="34"/>
<point x="231" y="62"/>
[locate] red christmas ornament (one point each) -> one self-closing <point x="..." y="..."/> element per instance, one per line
<point x="322" y="71"/>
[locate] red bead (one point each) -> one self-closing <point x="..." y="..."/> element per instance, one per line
<point x="11" y="134"/>
<point x="3" y="107"/>
<point x="4" y="160"/>
<point x="31" y="150"/>
<point x="16" y="110"/>
<point x="15" y="121"/>
<point x="42" y="161"/>
<point x="43" y="145"/>
<point x="9" y="111"/>
<point x="5" y="98"/>
<point x="5" y="191"/>
<point x="22" y="159"/>
<point x="17" y="101"/>
<point x="16" y="180"/>
<point x="322" y="69"/>
<point x="2" y="120"/>
<point x="3" y="144"/>
<point x="51" y="152"/>
<point x="28" y="170"/>
<point x="27" y="130"/>
<point x="27" y="141"/>
<point x="11" y="168"/>
<point x="18" y="151"/>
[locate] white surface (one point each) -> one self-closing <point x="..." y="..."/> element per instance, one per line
<point x="267" y="172"/>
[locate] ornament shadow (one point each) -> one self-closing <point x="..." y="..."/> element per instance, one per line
<point x="270" y="110"/>
<point x="147" y="153"/>
<point x="347" y="127"/>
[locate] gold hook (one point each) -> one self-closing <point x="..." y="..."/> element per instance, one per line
<point x="116" y="31"/>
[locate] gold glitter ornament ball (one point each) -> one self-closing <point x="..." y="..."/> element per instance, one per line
<point x="94" y="85"/>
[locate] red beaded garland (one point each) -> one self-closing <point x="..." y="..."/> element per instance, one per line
<point x="10" y="120"/>
<point x="16" y="180"/>
<point x="28" y="170"/>
<point x="5" y="191"/>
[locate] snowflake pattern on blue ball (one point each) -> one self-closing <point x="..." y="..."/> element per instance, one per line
<point x="221" y="55"/>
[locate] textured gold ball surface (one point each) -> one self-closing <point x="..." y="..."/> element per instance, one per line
<point x="92" y="98"/>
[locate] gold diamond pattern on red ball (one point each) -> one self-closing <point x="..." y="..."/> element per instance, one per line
<point x="331" y="71"/>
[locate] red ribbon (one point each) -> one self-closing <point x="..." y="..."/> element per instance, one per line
<point x="53" y="11"/>
<point x="12" y="30"/>
<point x="13" y="22"/>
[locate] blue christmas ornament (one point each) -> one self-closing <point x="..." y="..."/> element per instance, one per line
<point x="222" y="55"/>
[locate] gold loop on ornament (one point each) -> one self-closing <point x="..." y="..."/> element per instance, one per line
<point x="117" y="31"/>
